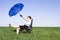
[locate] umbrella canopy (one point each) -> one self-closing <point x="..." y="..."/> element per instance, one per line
<point x="15" y="9"/>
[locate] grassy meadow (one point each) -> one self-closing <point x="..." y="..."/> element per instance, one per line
<point x="37" y="33"/>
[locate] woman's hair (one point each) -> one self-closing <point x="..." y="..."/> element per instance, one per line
<point x="29" y="17"/>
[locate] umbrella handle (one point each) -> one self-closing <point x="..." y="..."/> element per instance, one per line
<point x="21" y="15"/>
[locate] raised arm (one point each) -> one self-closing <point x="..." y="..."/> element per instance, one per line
<point x="24" y="18"/>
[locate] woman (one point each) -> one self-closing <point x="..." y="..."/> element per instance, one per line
<point x="25" y="26"/>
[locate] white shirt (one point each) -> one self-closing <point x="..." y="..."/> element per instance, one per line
<point x="28" y="22"/>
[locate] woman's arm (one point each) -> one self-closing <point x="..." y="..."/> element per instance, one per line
<point x="23" y="18"/>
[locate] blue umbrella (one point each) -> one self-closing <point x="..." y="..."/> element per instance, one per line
<point x="16" y="9"/>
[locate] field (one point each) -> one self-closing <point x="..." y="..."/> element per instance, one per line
<point x="38" y="33"/>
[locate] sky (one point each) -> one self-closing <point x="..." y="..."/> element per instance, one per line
<point x="43" y="12"/>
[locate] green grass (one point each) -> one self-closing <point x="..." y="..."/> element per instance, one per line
<point x="38" y="33"/>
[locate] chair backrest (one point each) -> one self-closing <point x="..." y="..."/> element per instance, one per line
<point x="31" y="23"/>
